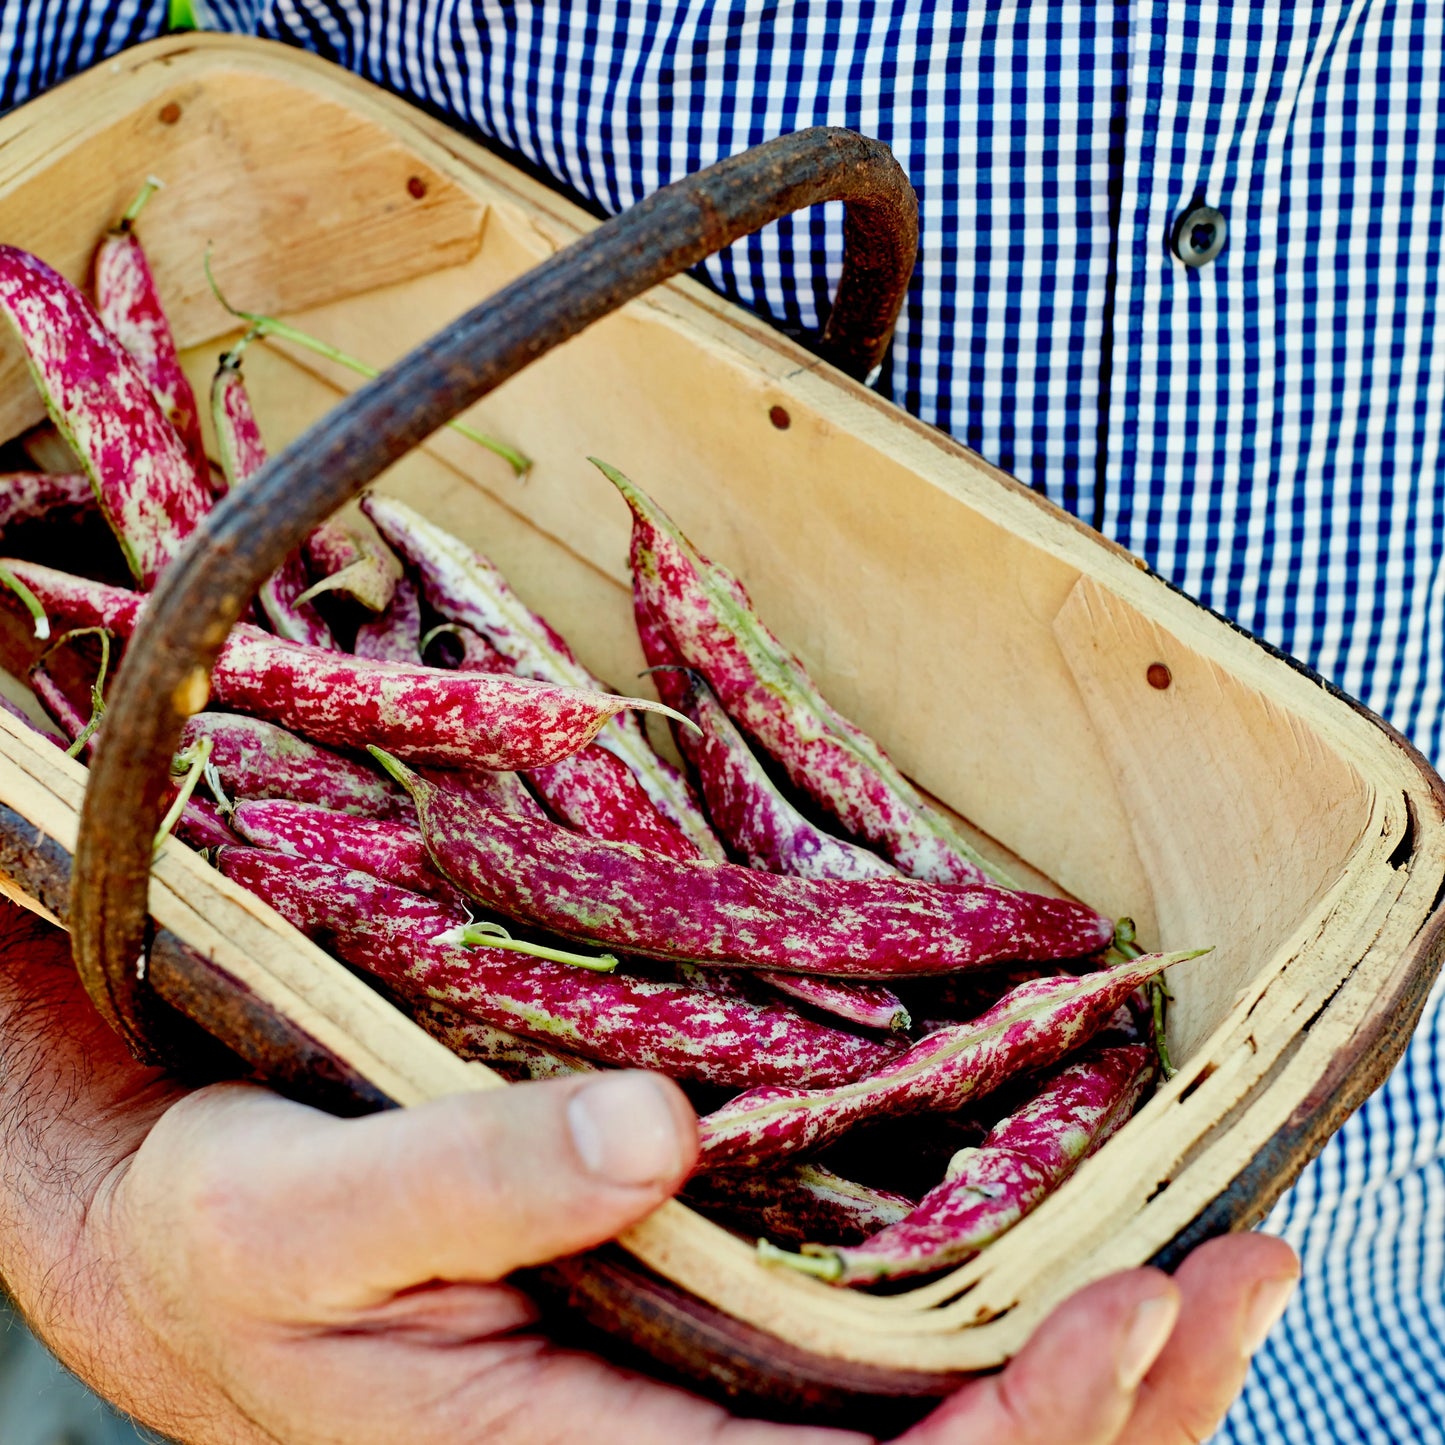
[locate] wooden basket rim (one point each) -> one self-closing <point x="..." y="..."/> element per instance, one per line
<point x="1400" y="962"/>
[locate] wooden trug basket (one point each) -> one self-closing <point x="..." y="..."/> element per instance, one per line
<point x="997" y="648"/>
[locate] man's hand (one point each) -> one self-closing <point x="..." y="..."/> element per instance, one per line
<point x="231" y="1267"/>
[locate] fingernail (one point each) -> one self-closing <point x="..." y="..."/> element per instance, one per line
<point x="1147" y="1333"/>
<point x="625" y="1131"/>
<point x="1266" y="1305"/>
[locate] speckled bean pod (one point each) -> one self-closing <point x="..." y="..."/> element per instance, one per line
<point x="1034" y="1026"/>
<point x="400" y="937"/>
<point x="72" y="601"/>
<point x="387" y="848"/>
<point x="452" y="719"/>
<point x="476" y="654"/>
<point x="644" y="903"/>
<point x="344" y="560"/>
<point x="243" y="454"/>
<point x="596" y="793"/>
<point x="747" y="808"/>
<point x="798" y="1202"/>
<point x="509" y="1054"/>
<point x="102" y="405"/>
<point x="129" y="303"/>
<point x="58" y="706"/>
<point x="593" y="791"/>
<point x="1021" y="1161"/>
<point x="465" y="587"/>
<point x="203" y="825"/>
<point x="394" y="634"/>
<point x="257" y="759"/>
<point x="758" y="823"/>
<point x="31" y="496"/>
<point x="692" y="611"/>
<point x="870" y="1005"/>
<point x="501" y="792"/>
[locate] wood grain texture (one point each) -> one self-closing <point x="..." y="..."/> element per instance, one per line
<point x="997" y="648"/>
<point x="240" y="173"/>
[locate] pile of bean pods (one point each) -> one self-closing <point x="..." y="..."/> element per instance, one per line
<point x="896" y="1052"/>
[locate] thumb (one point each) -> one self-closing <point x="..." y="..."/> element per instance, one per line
<point x="347" y="1213"/>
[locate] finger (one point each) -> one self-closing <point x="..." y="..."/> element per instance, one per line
<point x="346" y="1213"/>
<point x="1233" y="1291"/>
<point x="1076" y="1378"/>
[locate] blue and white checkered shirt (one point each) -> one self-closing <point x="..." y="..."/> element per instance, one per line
<point x="1265" y="428"/>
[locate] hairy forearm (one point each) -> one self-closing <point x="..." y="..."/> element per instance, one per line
<point x="74" y="1108"/>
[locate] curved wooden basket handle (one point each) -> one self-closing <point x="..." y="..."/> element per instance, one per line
<point x="248" y="535"/>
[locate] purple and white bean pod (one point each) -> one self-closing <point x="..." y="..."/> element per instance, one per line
<point x="465" y="587"/>
<point x="75" y="602"/>
<point x="720" y="913"/>
<point x="798" y="1202"/>
<point x="690" y="610"/>
<point x="452" y="719"/>
<point x="405" y="941"/>
<point x="747" y="808"/>
<point x="129" y="303"/>
<point x="870" y="1005"/>
<point x="472" y="651"/>
<point x="500" y="792"/>
<point x="387" y="848"/>
<point x="243" y="454"/>
<point x="344" y="560"/>
<point x="31" y="496"/>
<point x="594" y="792"/>
<point x="203" y="825"/>
<point x="257" y="759"/>
<point x="394" y="634"/>
<point x="509" y="1054"/>
<point x="1034" y="1026"/>
<point x="1022" y="1160"/>
<point x="103" y="406"/>
<point x="761" y="826"/>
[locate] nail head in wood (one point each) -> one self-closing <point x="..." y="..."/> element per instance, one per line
<point x="780" y="418"/>
<point x="1159" y="676"/>
<point x="415" y="187"/>
<point x="170" y="113"/>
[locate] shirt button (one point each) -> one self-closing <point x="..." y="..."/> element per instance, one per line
<point x="1199" y="235"/>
